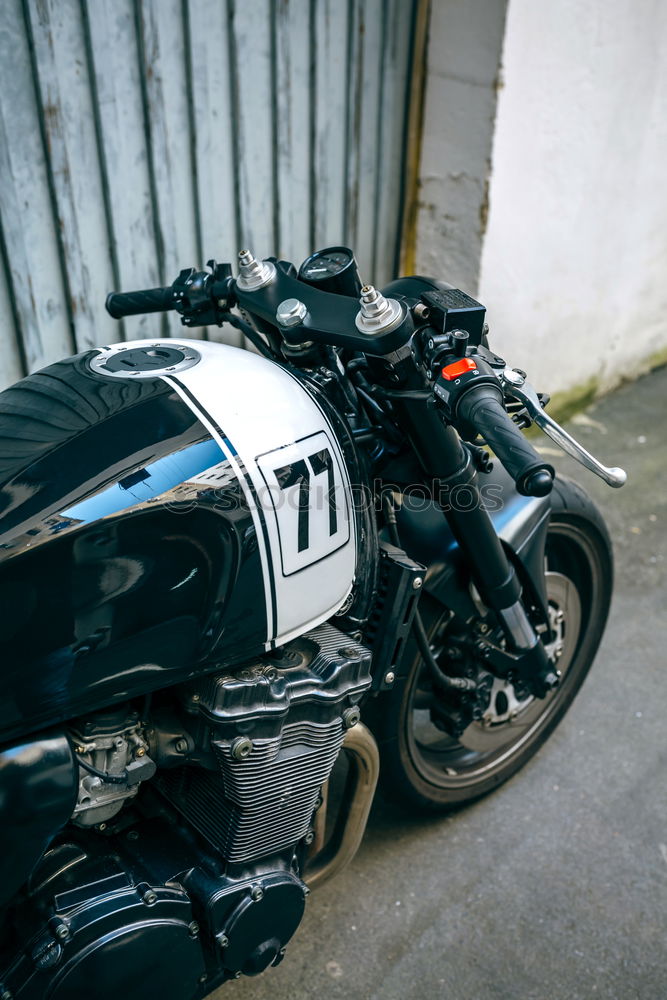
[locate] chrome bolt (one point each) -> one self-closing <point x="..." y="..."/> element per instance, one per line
<point x="150" y="897"/>
<point x="389" y="677"/>
<point x="223" y="940"/>
<point x="310" y="837"/>
<point x="513" y="377"/>
<point x="421" y="311"/>
<point x="373" y="303"/>
<point x="417" y="583"/>
<point x="351" y="717"/>
<point x="371" y="300"/>
<point x="306" y="890"/>
<point x="254" y="274"/>
<point x="377" y="313"/>
<point x="241" y="747"/>
<point x="181" y="745"/>
<point x="291" y="312"/>
<point x="195" y="697"/>
<point x="62" y="931"/>
<point x="256" y="893"/>
<point x="193" y="928"/>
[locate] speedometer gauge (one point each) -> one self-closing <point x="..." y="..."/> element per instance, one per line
<point x="333" y="270"/>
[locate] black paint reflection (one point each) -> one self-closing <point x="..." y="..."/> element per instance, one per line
<point x="128" y="558"/>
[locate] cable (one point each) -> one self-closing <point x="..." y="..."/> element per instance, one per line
<point x="390" y="518"/>
<point x="251" y="334"/>
<point x="342" y="378"/>
<point x="441" y="678"/>
<point x="112" y="779"/>
<point x="392" y="433"/>
<point x="399" y="394"/>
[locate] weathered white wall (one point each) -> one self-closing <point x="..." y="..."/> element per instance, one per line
<point x="574" y="264"/>
<point x="464" y="48"/>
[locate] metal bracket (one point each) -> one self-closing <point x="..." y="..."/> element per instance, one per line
<point x="401" y="581"/>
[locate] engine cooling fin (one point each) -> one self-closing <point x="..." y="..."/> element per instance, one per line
<point x="292" y="720"/>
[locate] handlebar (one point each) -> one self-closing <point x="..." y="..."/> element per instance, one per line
<point x="469" y="389"/>
<point x="482" y="408"/>
<point x="146" y="300"/>
<point x="204" y="298"/>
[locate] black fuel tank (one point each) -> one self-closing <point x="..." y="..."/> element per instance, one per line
<point x="128" y="554"/>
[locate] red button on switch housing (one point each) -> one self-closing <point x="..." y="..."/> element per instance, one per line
<point x="458" y="368"/>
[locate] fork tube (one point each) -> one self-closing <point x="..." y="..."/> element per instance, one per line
<point x="454" y="484"/>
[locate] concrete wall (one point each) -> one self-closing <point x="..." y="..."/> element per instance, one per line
<point x="574" y="263"/>
<point x="464" y="47"/>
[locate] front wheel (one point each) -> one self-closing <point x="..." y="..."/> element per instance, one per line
<point x="424" y="767"/>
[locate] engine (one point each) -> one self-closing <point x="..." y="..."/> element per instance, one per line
<point x="184" y="856"/>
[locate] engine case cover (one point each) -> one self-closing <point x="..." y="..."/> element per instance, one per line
<point x="79" y="938"/>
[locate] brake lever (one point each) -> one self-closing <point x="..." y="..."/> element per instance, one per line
<point x="524" y="392"/>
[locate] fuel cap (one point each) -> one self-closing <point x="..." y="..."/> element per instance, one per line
<point x="149" y="361"/>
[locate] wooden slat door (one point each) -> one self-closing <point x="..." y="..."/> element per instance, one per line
<point x="141" y="136"/>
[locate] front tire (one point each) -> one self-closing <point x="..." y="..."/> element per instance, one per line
<point x="422" y="766"/>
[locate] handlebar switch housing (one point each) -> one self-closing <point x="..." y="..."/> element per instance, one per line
<point x="456" y="377"/>
<point x="472" y="399"/>
<point x="200" y="296"/>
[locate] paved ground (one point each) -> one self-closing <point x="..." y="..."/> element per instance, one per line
<point x="554" y="888"/>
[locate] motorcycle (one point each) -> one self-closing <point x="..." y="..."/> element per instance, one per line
<point x="239" y="587"/>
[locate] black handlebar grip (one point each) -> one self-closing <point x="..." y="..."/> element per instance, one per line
<point x="482" y="407"/>
<point x="146" y="300"/>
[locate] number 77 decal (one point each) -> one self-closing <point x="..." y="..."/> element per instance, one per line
<point x="310" y="502"/>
